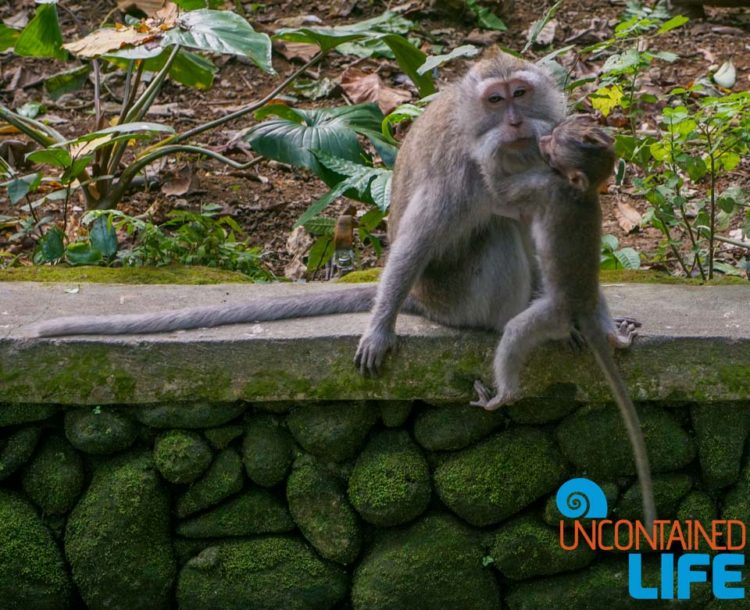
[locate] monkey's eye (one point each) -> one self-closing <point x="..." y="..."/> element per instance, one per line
<point x="519" y="92"/>
<point x="495" y="98"/>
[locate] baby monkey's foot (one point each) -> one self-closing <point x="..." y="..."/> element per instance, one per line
<point x="488" y="403"/>
<point x="626" y="329"/>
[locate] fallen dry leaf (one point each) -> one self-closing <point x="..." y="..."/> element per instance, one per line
<point x="150" y="7"/>
<point x="19" y="21"/>
<point x="297" y="21"/>
<point x="297" y="50"/>
<point x="546" y="35"/>
<point x="362" y="87"/>
<point x="627" y="217"/>
<point x="104" y="41"/>
<point x="181" y="182"/>
<point x="297" y="244"/>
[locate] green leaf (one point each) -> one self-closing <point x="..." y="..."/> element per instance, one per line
<point x="221" y="32"/>
<point x="21" y="186"/>
<point x="320" y="226"/>
<point x="31" y="110"/>
<point x="320" y="253"/>
<point x="8" y="37"/>
<point x="607" y="99"/>
<point x="609" y="242"/>
<point x="628" y="258"/>
<point x="621" y="62"/>
<point x="380" y="190"/>
<point x="325" y="38"/>
<point x="103" y="236"/>
<point x="42" y="37"/>
<point x="321" y="204"/>
<point x="79" y="164"/>
<point x="410" y="59"/>
<point x="56" y="157"/>
<point x="192" y="5"/>
<point x="667" y="56"/>
<point x="333" y="130"/>
<point x="125" y="128"/>
<point x="434" y="61"/>
<point x="539" y="24"/>
<point x="82" y="253"/>
<point x="674" y="22"/>
<point x="50" y="247"/>
<point x="189" y="69"/>
<point x="67" y="82"/>
<point x="485" y="17"/>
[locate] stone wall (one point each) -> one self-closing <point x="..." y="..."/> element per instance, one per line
<point x="364" y="505"/>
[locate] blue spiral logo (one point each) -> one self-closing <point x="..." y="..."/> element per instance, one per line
<point x="581" y="498"/>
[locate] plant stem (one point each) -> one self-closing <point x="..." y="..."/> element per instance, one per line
<point x="734" y="242"/>
<point x="712" y="191"/>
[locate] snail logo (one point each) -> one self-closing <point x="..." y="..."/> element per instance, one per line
<point x="581" y="499"/>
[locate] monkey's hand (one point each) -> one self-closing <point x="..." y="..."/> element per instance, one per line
<point x="626" y="329"/>
<point x="372" y="350"/>
<point x="504" y="397"/>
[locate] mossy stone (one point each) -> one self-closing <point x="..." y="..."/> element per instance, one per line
<point x="318" y="504"/>
<point x="596" y="442"/>
<point x="720" y="434"/>
<point x="552" y="515"/>
<point x="451" y="427"/>
<point x="263" y="574"/>
<point x="669" y="489"/>
<point x="100" y="430"/>
<point x="500" y="476"/>
<point x="16" y="447"/>
<point x="118" y="539"/>
<point x="390" y="483"/>
<point x="267" y="450"/>
<point x="526" y="547"/>
<point x="394" y="413"/>
<point x="256" y="511"/>
<point x="434" y="563"/>
<point x="181" y="455"/>
<point x="698" y="506"/>
<point x="332" y="431"/>
<point x="604" y="584"/>
<point x="32" y="570"/>
<point x="220" y="438"/>
<point x="536" y="411"/>
<point x="54" y="477"/>
<point x="14" y="413"/>
<point x="189" y="414"/>
<point x="223" y="478"/>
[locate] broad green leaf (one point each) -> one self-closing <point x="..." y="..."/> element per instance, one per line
<point x="192" y="5"/>
<point x="380" y="190"/>
<point x="434" y="61"/>
<point x="125" y="128"/>
<point x="674" y="22"/>
<point x="31" y="110"/>
<point x="282" y="111"/>
<point x="729" y="160"/>
<point x="320" y="226"/>
<point x="21" y="186"/>
<point x="341" y="166"/>
<point x="42" y="37"/>
<point x="609" y="242"/>
<point x="667" y="56"/>
<point x="606" y="99"/>
<point x="67" y="82"/>
<point x="8" y="37"/>
<point x="221" y="32"/>
<point x="321" y="204"/>
<point x="50" y="247"/>
<point x="56" y="157"/>
<point x="409" y="59"/>
<point x="79" y="164"/>
<point x="621" y="62"/>
<point x="325" y="38"/>
<point x="320" y="253"/>
<point x="82" y="253"/>
<point x="727" y="269"/>
<point x="103" y="236"/>
<point x="628" y="258"/>
<point x="485" y="17"/>
<point x="189" y="69"/>
<point x="333" y="130"/>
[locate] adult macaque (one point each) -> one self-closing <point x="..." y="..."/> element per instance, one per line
<point x="452" y="258"/>
<point x="567" y="235"/>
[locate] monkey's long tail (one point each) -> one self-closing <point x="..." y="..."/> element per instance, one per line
<point x="608" y="366"/>
<point x="351" y="300"/>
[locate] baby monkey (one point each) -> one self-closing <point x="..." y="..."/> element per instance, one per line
<point x="566" y="229"/>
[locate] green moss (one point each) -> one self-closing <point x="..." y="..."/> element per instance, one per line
<point x="263" y="574"/>
<point x="175" y="274"/>
<point x="596" y="442"/>
<point x="394" y="413"/>
<point x="199" y="414"/>
<point x="317" y="502"/>
<point x="267" y="450"/>
<point x="698" y="506"/>
<point x="221" y="437"/>
<point x="54" y="478"/>
<point x="720" y="434"/>
<point x="223" y="479"/>
<point x="500" y="476"/>
<point x="256" y="511"/>
<point x="435" y="563"/>
<point x="535" y="411"/>
<point x="617" y="276"/>
<point x="390" y="483"/>
<point x="117" y="538"/>
<point x="332" y="431"/>
<point x="453" y="427"/>
<point x="736" y="378"/>
<point x="181" y="455"/>
<point x="16" y="448"/>
<point x="13" y="414"/>
<point x="359" y="277"/>
<point x="100" y="430"/>
<point x="669" y="489"/>
<point x="32" y="572"/>
<point x="526" y="547"/>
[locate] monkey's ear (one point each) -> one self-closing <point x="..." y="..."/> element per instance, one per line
<point x="578" y="179"/>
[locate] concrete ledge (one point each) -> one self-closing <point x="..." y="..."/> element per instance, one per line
<point x="694" y="346"/>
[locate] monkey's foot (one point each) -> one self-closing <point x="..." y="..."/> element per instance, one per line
<point x="372" y="350"/>
<point x="626" y="329"/>
<point x="576" y="342"/>
<point x="485" y="401"/>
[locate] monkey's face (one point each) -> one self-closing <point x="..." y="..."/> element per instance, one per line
<point x="508" y="103"/>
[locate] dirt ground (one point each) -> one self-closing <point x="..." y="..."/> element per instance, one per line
<point x="267" y="199"/>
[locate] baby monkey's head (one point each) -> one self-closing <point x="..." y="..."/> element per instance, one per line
<point x="581" y="151"/>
